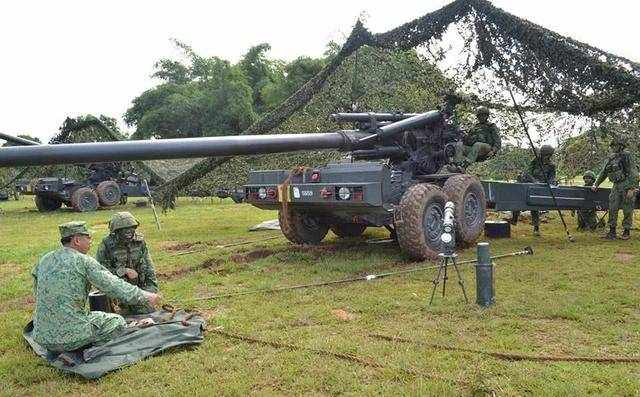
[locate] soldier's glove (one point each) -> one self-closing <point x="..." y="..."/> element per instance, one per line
<point x="631" y="193"/>
<point x="130" y="273"/>
<point x="594" y="188"/>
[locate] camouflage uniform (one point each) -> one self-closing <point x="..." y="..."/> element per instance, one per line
<point x="538" y="173"/>
<point x="480" y="141"/>
<point x="118" y="255"/>
<point x="62" y="280"/>
<point x="588" y="219"/>
<point x="623" y="173"/>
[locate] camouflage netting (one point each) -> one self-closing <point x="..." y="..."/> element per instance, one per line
<point x="551" y="75"/>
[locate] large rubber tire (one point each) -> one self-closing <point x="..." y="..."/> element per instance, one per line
<point x="418" y="221"/>
<point x="346" y="230"/>
<point x="466" y="192"/>
<point x="109" y="193"/>
<point x="47" y="204"/>
<point x="84" y="199"/>
<point x="300" y="228"/>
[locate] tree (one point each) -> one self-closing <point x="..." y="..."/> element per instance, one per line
<point x="205" y="97"/>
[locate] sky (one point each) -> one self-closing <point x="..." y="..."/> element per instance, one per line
<point x="68" y="58"/>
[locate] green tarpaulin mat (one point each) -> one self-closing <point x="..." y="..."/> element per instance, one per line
<point x="134" y="344"/>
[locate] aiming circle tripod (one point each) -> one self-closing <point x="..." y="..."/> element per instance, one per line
<point x="445" y="261"/>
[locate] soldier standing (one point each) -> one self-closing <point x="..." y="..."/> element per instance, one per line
<point x="588" y="219"/>
<point x="124" y="252"/>
<point x="622" y="172"/>
<point x="481" y="142"/>
<point x="538" y="173"/>
<point x="62" y="281"/>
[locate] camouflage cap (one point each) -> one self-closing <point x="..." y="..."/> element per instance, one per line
<point x="121" y="220"/>
<point x="72" y="228"/>
<point x="547" y="150"/>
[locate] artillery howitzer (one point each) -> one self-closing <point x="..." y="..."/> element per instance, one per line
<point x="405" y="192"/>
<point x="108" y="184"/>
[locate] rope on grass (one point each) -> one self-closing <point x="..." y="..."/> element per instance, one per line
<point x="511" y="356"/>
<point x="369" y="277"/>
<point x="367" y="362"/>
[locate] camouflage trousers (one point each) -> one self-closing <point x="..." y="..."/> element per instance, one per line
<point x="105" y="326"/>
<point x="618" y="201"/>
<point x="477" y="152"/>
<point x="587" y="220"/>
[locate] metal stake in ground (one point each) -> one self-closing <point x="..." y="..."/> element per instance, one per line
<point x="448" y="255"/>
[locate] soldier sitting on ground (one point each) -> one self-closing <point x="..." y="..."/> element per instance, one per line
<point x="124" y="252"/>
<point x="588" y="219"/>
<point x="481" y="142"/>
<point x="538" y="173"/>
<point x="62" y="280"/>
<point x="623" y="173"/>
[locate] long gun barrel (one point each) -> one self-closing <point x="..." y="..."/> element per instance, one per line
<point x="17" y="140"/>
<point x="178" y="148"/>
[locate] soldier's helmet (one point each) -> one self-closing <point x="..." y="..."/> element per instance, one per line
<point x="482" y="110"/>
<point x="547" y="150"/>
<point x="121" y="220"/>
<point x="618" y="141"/>
<point x="589" y="175"/>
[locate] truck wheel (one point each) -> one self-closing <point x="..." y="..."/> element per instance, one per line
<point x="47" y="204"/>
<point x="418" y="221"/>
<point x="108" y="193"/>
<point x="344" y="230"/>
<point x="466" y="192"/>
<point x="84" y="199"/>
<point x="300" y="228"/>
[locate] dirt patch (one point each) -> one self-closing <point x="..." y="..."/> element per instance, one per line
<point x="22" y="303"/>
<point x="251" y="256"/>
<point x="172" y="246"/>
<point x="211" y="264"/>
<point x="343" y="315"/>
<point x="624" y="257"/>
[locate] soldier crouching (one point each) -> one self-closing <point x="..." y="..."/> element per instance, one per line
<point x="62" y="281"/>
<point x="588" y="219"/>
<point x="124" y="252"/>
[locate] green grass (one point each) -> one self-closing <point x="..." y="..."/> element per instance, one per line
<point x="577" y="298"/>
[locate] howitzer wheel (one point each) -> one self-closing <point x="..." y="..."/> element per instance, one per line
<point x="47" y="204"/>
<point x="300" y="228"/>
<point x="84" y="199"/>
<point x="466" y="192"/>
<point x="418" y="221"/>
<point x="109" y="193"/>
<point x="345" y="230"/>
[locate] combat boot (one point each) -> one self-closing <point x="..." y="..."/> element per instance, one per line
<point x="626" y="234"/>
<point x="536" y="231"/>
<point x="611" y="235"/>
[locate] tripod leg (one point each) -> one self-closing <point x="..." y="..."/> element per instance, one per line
<point x="460" y="281"/>
<point x="444" y="280"/>
<point x="435" y="282"/>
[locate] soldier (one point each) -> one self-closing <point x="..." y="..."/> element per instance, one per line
<point x="588" y="219"/>
<point x="622" y="172"/>
<point x="124" y="252"/>
<point x="537" y="173"/>
<point x="481" y="142"/>
<point x="62" y="280"/>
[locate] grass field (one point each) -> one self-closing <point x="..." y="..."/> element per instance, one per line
<point x="577" y="298"/>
